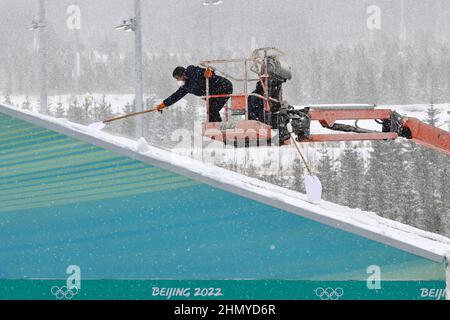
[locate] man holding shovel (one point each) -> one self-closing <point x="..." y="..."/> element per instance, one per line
<point x="190" y="80"/>
<point x="193" y="80"/>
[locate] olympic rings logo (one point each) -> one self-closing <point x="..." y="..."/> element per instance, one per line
<point x="64" y="293"/>
<point x="329" y="293"/>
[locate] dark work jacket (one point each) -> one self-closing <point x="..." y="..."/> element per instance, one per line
<point x="196" y="85"/>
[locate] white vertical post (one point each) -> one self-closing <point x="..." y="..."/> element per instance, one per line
<point x="74" y="23"/>
<point x="43" y="57"/>
<point x="210" y="35"/>
<point x="139" y="86"/>
<point x="77" y="63"/>
<point x="402" y="21"/>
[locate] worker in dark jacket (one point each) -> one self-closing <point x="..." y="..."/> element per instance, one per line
<point x="193" y="80"/>
<point x="256" y="104"/>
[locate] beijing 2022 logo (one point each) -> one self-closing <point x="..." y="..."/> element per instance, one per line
<point x="72" y="287"/>
<point x="329" y="293"/>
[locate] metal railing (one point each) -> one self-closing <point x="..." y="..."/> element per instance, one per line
<point x="259" y="62"/>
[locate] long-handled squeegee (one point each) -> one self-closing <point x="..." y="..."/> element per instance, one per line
<point x="102" y="124"/>
<point x="313" y="186"/>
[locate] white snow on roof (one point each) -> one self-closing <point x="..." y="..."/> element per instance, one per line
<point x="367" y="224"/>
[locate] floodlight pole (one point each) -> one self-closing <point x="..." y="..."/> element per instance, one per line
<point x="402" y="21"/>
<point x="135" y="25"/>
<point x="139" y="81"/>
<point x="77" y="62"/>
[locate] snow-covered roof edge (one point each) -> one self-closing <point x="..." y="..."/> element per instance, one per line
<point x="369" y="225"/>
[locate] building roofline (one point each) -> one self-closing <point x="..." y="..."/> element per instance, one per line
<point x="365" y="224"/>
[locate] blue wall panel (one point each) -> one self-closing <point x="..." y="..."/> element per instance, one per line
<point x="63" y="202"/>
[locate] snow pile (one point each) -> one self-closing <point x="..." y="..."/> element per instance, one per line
<point x="365" y="223"/>
<point x="142" y="146"/>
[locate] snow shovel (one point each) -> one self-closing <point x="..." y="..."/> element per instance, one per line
<point x="102" y="124"/>
<point x="313" y="185"/>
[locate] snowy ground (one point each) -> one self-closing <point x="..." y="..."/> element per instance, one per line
<point x="118" y="102"/>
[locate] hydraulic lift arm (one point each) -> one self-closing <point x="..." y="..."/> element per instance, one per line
<point x="393" y="126"/>
<point x="426" y="135"/>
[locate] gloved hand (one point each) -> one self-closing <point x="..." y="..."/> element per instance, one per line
<point x="160" y="107"/>
<point x="209" y="73"/>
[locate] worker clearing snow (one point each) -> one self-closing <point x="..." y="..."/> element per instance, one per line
<point x="193" y="80"/>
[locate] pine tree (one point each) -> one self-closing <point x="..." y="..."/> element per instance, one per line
<point x="376" y="184"/>
<point x="432" y="115"/>
<point x="430" y="163"/>
<point x="299" y="171"/>
<point x="251" y="171"/>
<point x="351" y="175"/>
<point x="365" y="88"/>
<point x="444" y="193"/>
<point x="397" y="178"/>
<point x="337" y="89"/>
<point x="127" y="127"/>
<point x="325" y="172"/>
<point x="423" y="78"/>
<point x="388" y="80"/>
<point x="316" y="75"/>
<point x="7" y="100"/>
<point x="101" y="110"/>
<point x="75" y="112"/>
<point x="87" y="109"/>
<point x="403" y="89"/>
<point x="26" y="105"/>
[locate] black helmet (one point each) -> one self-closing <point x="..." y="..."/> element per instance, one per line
<point x="178" y="72"/>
